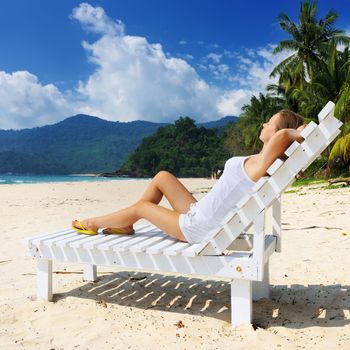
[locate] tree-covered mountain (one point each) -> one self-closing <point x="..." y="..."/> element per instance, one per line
<point x="78" y="144"/>
<point x="183" y="148"/>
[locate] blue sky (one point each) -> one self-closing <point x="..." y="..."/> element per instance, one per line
<point x="135" y="59"/>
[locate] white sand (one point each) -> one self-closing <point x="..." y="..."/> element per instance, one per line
<point x="310" y="280"/>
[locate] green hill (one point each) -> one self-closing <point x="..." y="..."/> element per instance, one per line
<point x="78" y="144"/>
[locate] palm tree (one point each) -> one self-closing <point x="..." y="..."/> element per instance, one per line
<point x="331" y="83"/>
<point x="309" y="41"/>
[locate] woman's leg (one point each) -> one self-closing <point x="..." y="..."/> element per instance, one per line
<point x="166" y="219"/>
<point x="164" y="183"/>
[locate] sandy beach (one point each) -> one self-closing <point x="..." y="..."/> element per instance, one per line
<point x="310" y="280"/>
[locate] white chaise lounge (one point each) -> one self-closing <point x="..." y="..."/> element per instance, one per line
<point x="229" y="254"/>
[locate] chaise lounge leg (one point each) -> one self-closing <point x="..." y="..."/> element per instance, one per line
<point x="241" y="302"/>
<point x="44" y="279"/>
<point x="90" y="272"/>
<point x="261" y="289"/>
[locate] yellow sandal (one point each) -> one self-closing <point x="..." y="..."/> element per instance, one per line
<point x="117" y="231"/>
<point x="82" y="229"/>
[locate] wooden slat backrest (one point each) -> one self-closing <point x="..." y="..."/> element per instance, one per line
<point x="282" y="174"/>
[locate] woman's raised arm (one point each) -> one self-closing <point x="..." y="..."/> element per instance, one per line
<point x="278" y="143"/>
<point x="257" y="166"/>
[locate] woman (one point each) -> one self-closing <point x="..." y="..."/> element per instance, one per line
<point x="192" y="221"/>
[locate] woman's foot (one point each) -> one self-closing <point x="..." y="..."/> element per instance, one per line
<point x="85" y="226"/>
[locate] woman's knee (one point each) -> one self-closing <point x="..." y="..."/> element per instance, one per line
<point x="139" y="207"/>
<point x="163" y="174"/>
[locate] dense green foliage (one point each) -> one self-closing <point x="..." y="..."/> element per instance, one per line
<point x="317" y="71"/>
<point x="181" y="148"/>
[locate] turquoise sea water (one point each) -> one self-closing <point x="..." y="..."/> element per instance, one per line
<point x="11" y="179"/>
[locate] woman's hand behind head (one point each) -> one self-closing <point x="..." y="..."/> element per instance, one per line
<point x="302" y="127"/>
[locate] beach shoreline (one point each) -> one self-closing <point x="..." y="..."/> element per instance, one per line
<point x="309" y="280"/>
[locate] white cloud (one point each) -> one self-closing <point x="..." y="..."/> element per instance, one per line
<point x="25" y="102"/>
<point x="185" y="56"/>
<point x="135" y="79"/>
<point x="94" y="19"/>
<point x="254" y="70"/>
<point x="253" y="76"/>
<point x="232" y="101"/>
<point x="220" y="71"/>
<point x="214" y="57"/>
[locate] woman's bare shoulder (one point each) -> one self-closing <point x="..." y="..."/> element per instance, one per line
<point x="253" y="167"/>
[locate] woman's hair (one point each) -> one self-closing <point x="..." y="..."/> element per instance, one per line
<point x="289" y="119"/>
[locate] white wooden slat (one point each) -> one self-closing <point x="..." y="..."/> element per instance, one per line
<point x="259" y="201"/>
<point x="315" y="143"/>
<point x="274" y="166"/>
<point x="66" y="241"/>
<point x="158" y="248"/>
<point x="100" y="238"/>
<point x="282" y="178"/>
<point x="242" y="215"/>
<point x="30" y="240"/>
<point x="84" y="240"/>
<point x="142" y="246"/>
<point x="50" y="242"/>
<point x="40" y="240"/>
<point x="282" y="185"/>
<point x="104" y="240"/>
<point x="219" y="241"/>
<point x="224" y="237"/>
<point x="235" y="226"/>
<point x="213" y="247"/>
<point x="251" y="209"/>
<point x="175" y="249"/>
<point x="292" y="148"/>
<point x="328" y="109"/>
<point x="200" y="247"/>
<point x="108" y="245"/>
<point x="122" y="243"/>
<point x="260" y="182"/>
<point x="243" y="201"/>
<point x="210" y="248"/>
<point x="330" y="126"/>
<point x="190" y="251"/>
<point x="308" y="130"/>
<point x="267" y="193"/>
<point x="297" y="160"/>
<point x="126" y="245"/>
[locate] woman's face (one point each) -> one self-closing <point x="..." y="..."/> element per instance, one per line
<point x="269" y="128"/>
